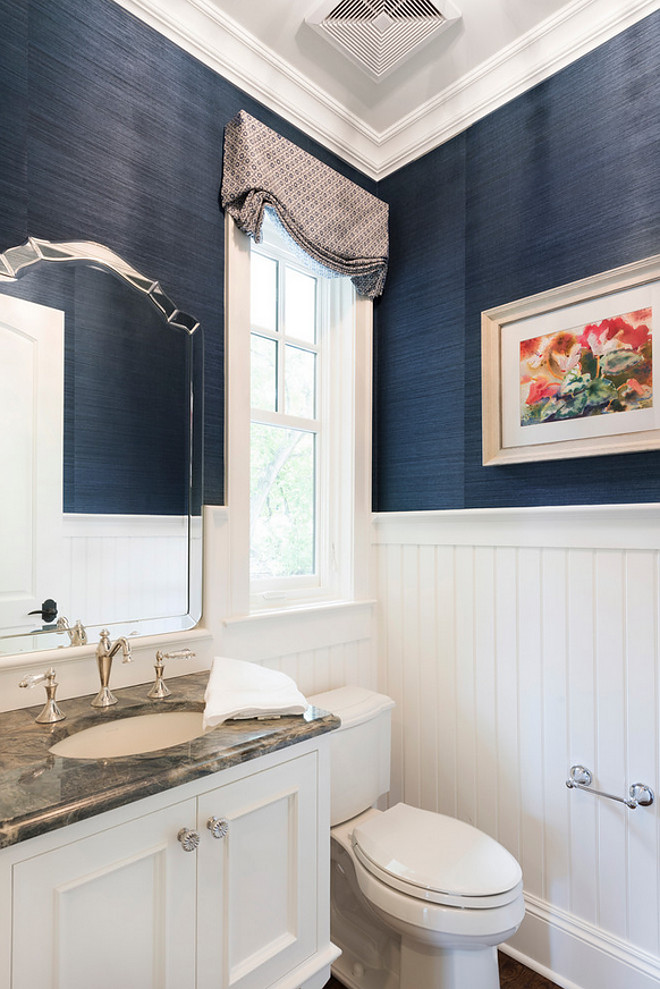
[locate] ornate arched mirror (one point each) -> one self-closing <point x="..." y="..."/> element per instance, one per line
<point x="100" y="447"/>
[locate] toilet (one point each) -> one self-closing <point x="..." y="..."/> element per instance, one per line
<point x="418" y="900"/>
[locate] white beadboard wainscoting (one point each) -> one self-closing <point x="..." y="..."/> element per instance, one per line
<point x="320" y="648"/>
<point x="122" y="567"/>
<point x="114" y="568"/>
<point x="516" y="643"/>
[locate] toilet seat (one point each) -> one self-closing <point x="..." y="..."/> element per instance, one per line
<point x="439" y="859"/>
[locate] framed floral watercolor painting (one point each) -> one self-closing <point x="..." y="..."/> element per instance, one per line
<point x="569" y="372"/>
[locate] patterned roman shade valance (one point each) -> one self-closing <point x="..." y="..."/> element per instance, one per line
<point x="336" y="222"/>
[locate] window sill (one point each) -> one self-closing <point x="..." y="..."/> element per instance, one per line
<point x="316" y="608"/>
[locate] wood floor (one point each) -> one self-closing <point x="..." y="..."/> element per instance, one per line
<point x="513" y="975"/>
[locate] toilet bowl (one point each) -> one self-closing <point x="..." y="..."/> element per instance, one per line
<point x="419" y="900"/>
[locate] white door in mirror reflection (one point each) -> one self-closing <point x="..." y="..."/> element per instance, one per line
<point x="31" y="403"/>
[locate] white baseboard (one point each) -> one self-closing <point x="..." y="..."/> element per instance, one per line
<point x="578" y="955"/>
<point x="532" y="964"/>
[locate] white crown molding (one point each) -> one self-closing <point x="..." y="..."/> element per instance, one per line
<point x="203" y="30"/>
<point x="575" y="30"/>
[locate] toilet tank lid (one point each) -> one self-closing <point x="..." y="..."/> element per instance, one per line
<point x="352" y="704"/>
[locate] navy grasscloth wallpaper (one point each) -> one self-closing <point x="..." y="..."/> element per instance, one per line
<point x="111" y="133"/>
<point x="559" y="184"/>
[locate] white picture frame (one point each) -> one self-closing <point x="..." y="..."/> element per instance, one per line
<point x="569" y="372"/>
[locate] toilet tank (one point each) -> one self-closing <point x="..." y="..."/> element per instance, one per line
<point x="359" y="749"/>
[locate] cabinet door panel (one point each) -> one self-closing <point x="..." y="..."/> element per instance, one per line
<point x="257" y="885"/>
<point x="115" y="909"/>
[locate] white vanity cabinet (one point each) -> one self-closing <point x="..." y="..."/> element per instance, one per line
<point x="257" y="885"/>
<point x="115" y="902"/>
<point x="113" y="908"/>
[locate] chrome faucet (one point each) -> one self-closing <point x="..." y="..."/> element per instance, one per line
<point x="77" y="633"/>
<point x="105" y="653"/>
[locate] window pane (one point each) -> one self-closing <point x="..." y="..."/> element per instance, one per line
<point x="282" y="502"/>
<point x="263" y="373"/>
<point x="300" y="382"/>
<point x="300" y="305"/>
<point x="263" y="292"/>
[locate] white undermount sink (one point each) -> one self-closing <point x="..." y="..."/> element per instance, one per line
<point x="132" y="736"/>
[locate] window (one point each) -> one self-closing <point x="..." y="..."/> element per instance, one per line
<point x="288" y="309"/>
<point x="299" y="426"/>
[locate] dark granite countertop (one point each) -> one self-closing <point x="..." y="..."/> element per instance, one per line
<point x="40" y="792"/>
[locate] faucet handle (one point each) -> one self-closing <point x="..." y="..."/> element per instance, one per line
<point x="50" y="713"/>
<point x="32" y="679"/>
<point x="180" y="654"/>
<point x="160" y="688"/>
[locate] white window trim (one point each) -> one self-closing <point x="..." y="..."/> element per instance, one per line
<point x="354" y="501"/>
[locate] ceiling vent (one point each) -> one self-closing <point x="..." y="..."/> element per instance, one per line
<point x="380" y="34"/>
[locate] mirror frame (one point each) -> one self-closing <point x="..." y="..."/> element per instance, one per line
<point x="14" y="263"/>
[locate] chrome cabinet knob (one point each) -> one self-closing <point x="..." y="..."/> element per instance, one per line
<point x="189" y="839"/>
<point x="218" y="826"/>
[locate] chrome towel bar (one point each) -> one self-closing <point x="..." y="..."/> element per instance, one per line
<point x="639" y="794"/>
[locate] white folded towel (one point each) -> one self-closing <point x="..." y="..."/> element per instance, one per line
<point x="247" y="690"/>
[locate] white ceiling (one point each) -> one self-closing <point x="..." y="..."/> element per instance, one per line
<point x="498" y="49"/>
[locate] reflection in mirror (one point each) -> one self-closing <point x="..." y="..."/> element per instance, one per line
<point x="101" y="450"/>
